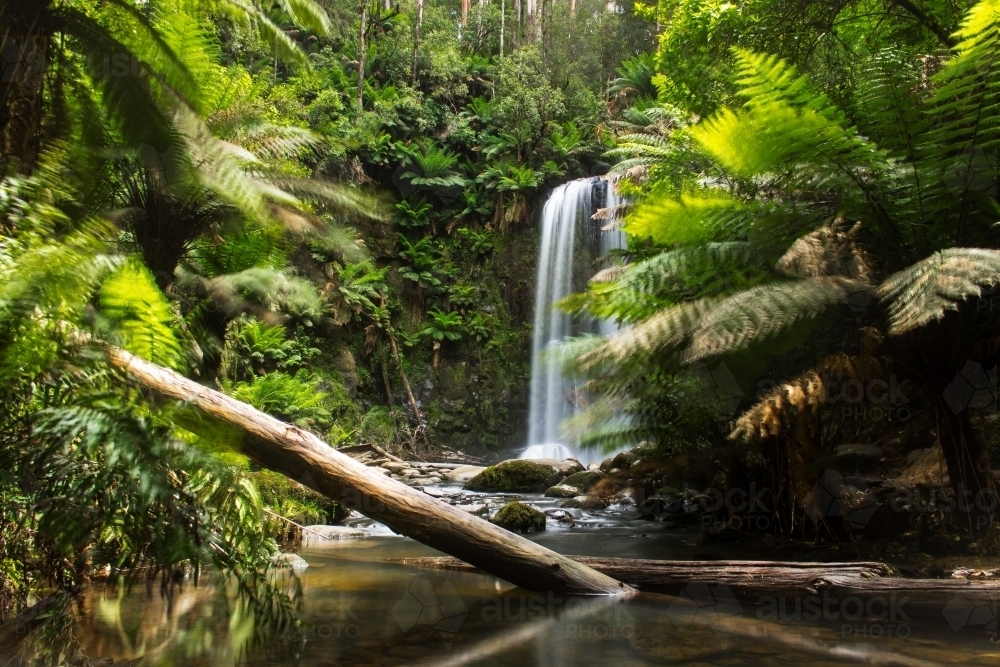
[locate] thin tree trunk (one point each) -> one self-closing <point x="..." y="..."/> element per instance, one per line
<point x="406" y="386"/>
<point x="301" y="455"/>
<point x="503" y="13"/>
<point x="572" y="8"/>
<point x="465" y="12"/>
<point x="416" y="38"/>
<point x="361" y="54"/>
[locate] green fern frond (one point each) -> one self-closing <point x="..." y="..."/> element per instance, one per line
<point x="141" y="315"/>
<point x="925" y="291"/>
<point x="784" y="124"/>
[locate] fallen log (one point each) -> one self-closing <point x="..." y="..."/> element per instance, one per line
<point x="305" y="458"/>
<point x="751" y="577"/>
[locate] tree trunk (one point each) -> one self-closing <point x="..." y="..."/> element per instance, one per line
<point x="302" y="456"/>
<point x="465" y="12"/>
<point x="503" y="12"/>
<point x="24" y="53"/>
<point x="361" y="54"/>
<point x="416" y="38"/>
<point x="969" y="470"/>
<point x="406" y="386"/>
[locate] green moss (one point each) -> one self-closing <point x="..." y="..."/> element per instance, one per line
<point x="514" y="477"/>
<point x="520" y="518"/>
<point x="584" y="480"/>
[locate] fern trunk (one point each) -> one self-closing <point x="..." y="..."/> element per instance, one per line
<point x="25" y="44"/>
<point x="969" y="470"/>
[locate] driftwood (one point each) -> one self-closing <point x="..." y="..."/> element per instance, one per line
<point x="752" y="577"/>
<point x="303" y="457"/>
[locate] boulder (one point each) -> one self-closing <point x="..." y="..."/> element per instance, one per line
<point x="464" y="473"/>
<point x="584" y="480"/>
<point x="294" y="562"/>
<point x="584" y="503"/>
<point x="520" y="518"/>
<point x="564" y="467"/>
<point x="515" y="476"/>
<point x="315" y="535"/>
<point x="562" y="491"/>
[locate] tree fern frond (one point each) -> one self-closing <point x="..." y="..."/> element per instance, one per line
<point x="667" y="329"/>
<point x="308" y="14"/>
<point x="925" y="291"/>
<point x="141" y="315"/>
<point x="269" y="288"/>
<point x="283" y="46"/>
<point x="752" y="315"/>
<point x="785" y="123"/>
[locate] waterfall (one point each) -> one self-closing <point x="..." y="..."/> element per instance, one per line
<point x="567" y="228"/>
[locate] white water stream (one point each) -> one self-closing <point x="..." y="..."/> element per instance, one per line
<point x="567" y="228"/>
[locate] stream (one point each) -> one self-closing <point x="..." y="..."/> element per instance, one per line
<point x="362" y="609"/>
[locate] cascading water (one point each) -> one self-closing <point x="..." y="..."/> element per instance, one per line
<point x="567" y="228"/>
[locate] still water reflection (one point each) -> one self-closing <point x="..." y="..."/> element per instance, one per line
<point x="363" y="610"/>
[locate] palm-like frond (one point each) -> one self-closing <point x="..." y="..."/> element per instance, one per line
<point x="925" y="291"/>
<point x="716" y="326"/>
<point x="141" y="315"/>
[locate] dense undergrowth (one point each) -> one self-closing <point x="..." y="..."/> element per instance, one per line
<point x="329" y="214"/>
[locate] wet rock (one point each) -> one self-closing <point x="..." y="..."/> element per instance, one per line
<point x="584" y="480"/>
<point x="562" y="491"/>
<point x="514" y="476"/>
<point x="563" y="467"/>
<point x="294" y="562"/>
<point x="464" y="473"/>
<point x="476" y="509"/>
<point x="316" y="535"/>
<point x="520" y="518"/>
<point x="584" y="503"/>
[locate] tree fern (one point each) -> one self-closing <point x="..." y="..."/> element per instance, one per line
<point x="925" y="291"/>
<point x="141" y="315"/>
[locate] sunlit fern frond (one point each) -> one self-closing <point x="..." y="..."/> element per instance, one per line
<point x="652" y="275"/>
<point x="927" y="290"/>
<point x="667" y="329"/>
<point x="281" y="44"/>
<point x="755" y="314"/>
<point x="785" y="124"/>
<point x="831" y="250"/>
<point x="279" y="142"/>
<point x="966" y="109"/>
<point x="140" y="315"/>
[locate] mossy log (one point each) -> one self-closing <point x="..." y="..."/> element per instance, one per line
<point x="305" y="458"/>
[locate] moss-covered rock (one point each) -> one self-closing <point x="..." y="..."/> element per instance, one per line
<point x="562" y="491"/>
<point x="514" y="476"/>
<point x="584" y="481"/>
<point x="520" y="518"/>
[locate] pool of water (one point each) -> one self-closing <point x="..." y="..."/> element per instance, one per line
<point x="362" y="609"/>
